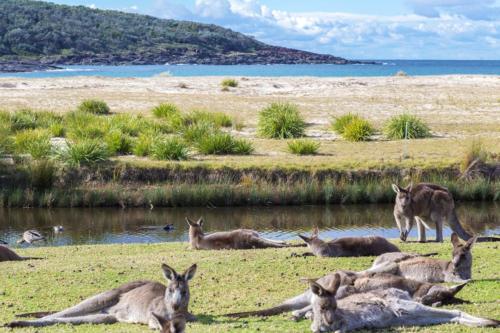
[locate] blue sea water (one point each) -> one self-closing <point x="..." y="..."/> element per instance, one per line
<point x="385" y="68"/>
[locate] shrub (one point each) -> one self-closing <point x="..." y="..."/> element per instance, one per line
<point x="232" y="83"/>
<point x="474" y="151"/>
<point x="94" y="106"/>
<point x="303" y="147"/>
<point x="85" y="152"/>
<point x="195" y="132"/>
<point x="223" y="143"/>
<point x="218" y="119"/>
<point x="34" y="142"/>
<point x="81" y="125"/>
<point x="142" y="146"/>
<point x="358" y="130"/>
<point x="169" y="148"/>
<point x="395" y="128"/>
<point x="23" y="120"/>
<point x="6" y="142"/>
<point x="57" y="130"/>
<point x="339" y="123"/>
<point x="281" y="121"/>
<point x="117" y="142"/>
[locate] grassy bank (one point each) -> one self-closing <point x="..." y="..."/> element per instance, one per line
<point x="226" y="281"/>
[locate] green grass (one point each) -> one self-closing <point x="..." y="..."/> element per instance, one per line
<point x="84" y="153"/>
<point x="169" y="148"/>
<point x="223" y="144"/>
<point x="303" y="147"/>
<point x="358" y="130"/>
<point x="166" y="111"/>
<point x="118" y="142"/>
<point x="339" y="123"/>
<point x="406" y="126"/>
<point x="226" y="281"/>
<point x="35" y="142"/>
<point x="94" y="106"/>
<point x="142" y="145"/>
<point x="281" y="121"/>
<point x="229" y="83"/>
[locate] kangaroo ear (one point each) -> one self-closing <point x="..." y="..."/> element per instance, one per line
<point x="305" y="238"/>
<point x="457" y="288"/>
<point x="334" y="286"/>
<point x="189" y="273"/>
<point x="455" y="241"/>
<point x="200" y="222"/>
<point x="317" y="289"/>
<point x="315" y="231"/>
<point x="162" y="322"/>
<point x="169" y="272"/>
<point x="190" y="222"/>
<point x="409" y="187"/>
<point x="470" y="242"/>
<point x="396" y="188"/>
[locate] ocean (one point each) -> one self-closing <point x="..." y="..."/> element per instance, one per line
<point x="385" y="68"/>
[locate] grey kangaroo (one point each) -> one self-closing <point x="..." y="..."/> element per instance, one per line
<point x="351" y="283"/>
<point x="433" y="270"/>
<point x="7" y="254"/>
<point x="135" y="302"/>
<point x="235" y="239"/>
<point x="348" y="246"/>
<point x="423" y="203"/>
<point x="378" y="309"/>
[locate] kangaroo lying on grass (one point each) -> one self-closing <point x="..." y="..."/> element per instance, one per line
<point x="236" y="239"/>
<point x="459" y="269"/>
<point x="144" y="302"/>
<point x="422" y="203"/>
<point x="351" y="283"/>
<point x="348" y="246"/>
<point x="7" y="254"/>
<point x="378" y="309"/>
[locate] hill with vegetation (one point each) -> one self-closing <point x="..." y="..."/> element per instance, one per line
<point x="57" y="34"/>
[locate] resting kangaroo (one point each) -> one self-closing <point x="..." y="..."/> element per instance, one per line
<point x="378" y="309"/>
<point x="348" y="246"/>
<point x="236" y="239"/>
<point x="459" y="269"/>
<point x="351" y="283"/>
<point x="423" y="203"/>
<point x="7" y="254"/>
<point x="135" y="302"/>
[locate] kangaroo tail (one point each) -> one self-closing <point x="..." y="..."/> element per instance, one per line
<point x="469" y="320"/>
<point x="455" y="225"/>
<point x="32" y="258"/>
<point x="294" y="303"/>
<point x="488" y="239"/>
<point x="426" y="226"/>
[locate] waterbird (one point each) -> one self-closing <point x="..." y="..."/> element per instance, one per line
<point x="31" y="236"/>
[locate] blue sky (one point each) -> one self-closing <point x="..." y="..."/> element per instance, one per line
<point x="357" y="29"/>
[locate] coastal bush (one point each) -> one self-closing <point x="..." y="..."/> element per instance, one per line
<point x="94" y="106"/>
<point x="142" y="145"/>
<point x="223" y="143"/>
<point x="229" y="83"/>
<point x="281" y="121"/>
<point x="84" y="152"/>
<point x="23" y="120"/>
<point x="303" y="147"/>
<point x="169" y="148"/>
<point x="35" y="142"/>
<point x="397" y="126"/>
<point x="81" y="125"/>
<point x="339" y="123"/>
<point x="218" y="119"/>
<point x="358" y="130"/>
<point x="195" y="132"/>
<point x="118" y="143"/>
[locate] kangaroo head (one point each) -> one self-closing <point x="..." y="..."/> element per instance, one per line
<point x="195" y="228"/>
<point x="172" y="325"/>
<point x="403" y="195"/>
<point x="462" y="255"/>
<point x="324" y="306"/>
<point x="313" y="239"/>
<point x="440" y="294"/>
<point x="177" y="291"/>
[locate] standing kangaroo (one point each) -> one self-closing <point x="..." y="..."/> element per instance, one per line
<point x="7" y="254"/>
<point x="378" y="309"/>
<point x="422" y="203"/>
<point x="236" y="239"/>
<point x="351" y="283"/>
<point x="348" y="246"/>
<point x="135" y="302"/>
<point x="423" y="269"/>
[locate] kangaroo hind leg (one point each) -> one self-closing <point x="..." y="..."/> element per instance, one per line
<point x="421" y="229"/>
<point x="89" y="319"/>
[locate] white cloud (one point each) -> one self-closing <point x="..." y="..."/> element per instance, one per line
<point x="92" y="6"/>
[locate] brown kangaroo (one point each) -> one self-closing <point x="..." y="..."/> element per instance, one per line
<point x="135" y="302"/>
<point x="236" y="239"/>
<point x="174" y="324"/>
<point x="423" y="269"/>
<point x="422" y="203"/>
<point x="348" y="246"/>
<point x="351" y="283"/>
<point x="378" y="309"/>
<point x="7" y="254"/>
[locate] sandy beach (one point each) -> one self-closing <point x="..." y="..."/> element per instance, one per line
<point x="457" y="108"/>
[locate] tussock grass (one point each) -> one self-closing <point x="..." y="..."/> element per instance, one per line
<point x="474" y="151"/>
<point x="339" y="123"/>
<point x="84" y="152"/>
<point x="6" y="141"/>
<point x="223" y="144"/>
<point x="166" y="111"/>
<point x="94" y="106"/>
<point x="142" y="145"/>
<point x="281" y="121"/>
<point x="358" y="130"/>
<point x="395" y="128"/>
<point x="229" y="83"/>
<point x="303" y="147"/>
<point x="35" y="142"/>
<point x="118" y="142"/>
<point x="23" y="120"/>
<point x="169" y="148"/>
<point x="42" y="174"/>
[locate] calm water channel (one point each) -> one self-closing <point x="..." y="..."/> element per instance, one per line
<point x="97" y="226"/>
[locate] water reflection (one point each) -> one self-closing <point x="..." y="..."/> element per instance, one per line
<point x="91" y="226"/>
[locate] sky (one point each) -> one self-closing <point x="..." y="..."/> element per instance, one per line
<point x="355" y="29"/>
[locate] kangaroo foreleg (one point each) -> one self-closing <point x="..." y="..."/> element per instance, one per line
<point x="90" y="319"/>
<point x="302" y="313"/>
<point x="294" y="303"/>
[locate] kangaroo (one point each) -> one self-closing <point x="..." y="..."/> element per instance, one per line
<point x="459" y="269"/>
<point x="30" y="237"/>
<point x="378" y="309"/>
<point x="236" y="239"/>
<point x="175" y="324"/>
<point x="133" y="302"/>
<point x="399" y="256"/>
<point x="348" y="246"/>
<point x="422" y="203"/>
<point x="7" y="254"/>
<point x="351" y="283"/>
